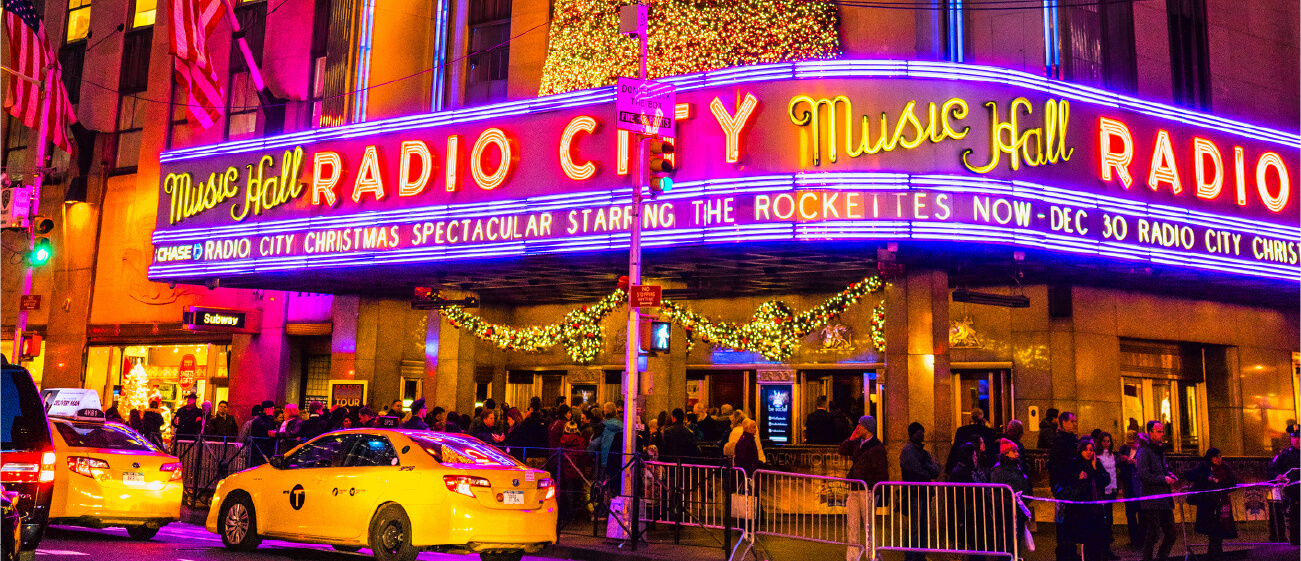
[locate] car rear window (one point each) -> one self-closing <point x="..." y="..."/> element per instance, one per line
<point x="22" y="413"/>
<point x="454" y="452"/>
<point x="102" y="435"/>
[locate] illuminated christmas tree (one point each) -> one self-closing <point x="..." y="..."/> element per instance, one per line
<point x="135" y="389"/>
<point x="586" y="51"/>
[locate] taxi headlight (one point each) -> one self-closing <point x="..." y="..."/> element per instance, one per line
<point x="464" y="484"/>
<point x="175" y="468"/>
<point x="89" y="467"/>
<point x="550" y="486"/>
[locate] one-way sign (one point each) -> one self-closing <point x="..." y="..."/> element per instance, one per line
<point x="645" y="107"/>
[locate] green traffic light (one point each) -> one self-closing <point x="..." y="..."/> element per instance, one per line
<point x="666" y="184"/>
<point x="40" y="253"/>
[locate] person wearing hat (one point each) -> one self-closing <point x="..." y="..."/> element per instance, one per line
<point x="1284" y="469"/>
<point x="262" y="433"/>
<point x="869" y="466"/>
<point x="188" y="420"/>
<point x="417" y="420"/>
<point x="917" y="465"/>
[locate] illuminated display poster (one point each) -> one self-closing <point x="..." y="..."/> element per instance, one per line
<point x="776" y="421"/>
<point x="814" y="151"/>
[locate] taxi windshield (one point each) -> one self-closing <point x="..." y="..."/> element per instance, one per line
<point x="102" y="435"/>
<point x="453" y="452"/>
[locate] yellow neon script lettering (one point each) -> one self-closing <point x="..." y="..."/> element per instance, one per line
<point x="265" y="192"/>
<point x="1006" y="137"/>
<point x="188" y="200"/>
<point x="909" y="130"/>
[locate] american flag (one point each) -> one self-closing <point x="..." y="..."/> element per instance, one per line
<point x="192" y="23"/>
<point x="30" y="54"/>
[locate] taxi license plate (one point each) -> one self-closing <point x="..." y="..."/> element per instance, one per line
<point x="133" y="478"/>
<point x="513" y="498"/>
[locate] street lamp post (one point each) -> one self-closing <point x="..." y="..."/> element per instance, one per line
<point x="38" y="173"/>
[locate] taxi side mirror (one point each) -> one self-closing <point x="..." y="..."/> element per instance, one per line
<point x="277" y="461"/>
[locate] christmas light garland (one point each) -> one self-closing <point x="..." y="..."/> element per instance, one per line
<point x="580" y="332"/>
<point x="585" y="49"/>
<point x="776" y="330"/>
<point x="774" y="333"/>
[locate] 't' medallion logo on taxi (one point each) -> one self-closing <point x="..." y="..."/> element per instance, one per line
<point x="297" y="497"/>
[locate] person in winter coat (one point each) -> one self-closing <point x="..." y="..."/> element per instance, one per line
<point x="1153" y="477"/>
<point x="453" y="423"/>
<point x="556" y="430"/>
<point x="573" y="468"/>
<point x="1283" y="469"/>
<point x="263" y="432"/>
<point x="188" y="420"/>
<point x="738" y="420"/>
<point x="1047" y="430"/>
<point x="1008" y="471"/>
<point x="678" y="443"/>
<point x="531" y="435"/>
<point x="917" y="465"/>
<point x="971" y="507"/>
<point x="1126" y="460"/>
<point x="417" y="420"/>
<point x="609" y="448"/>
<point x="869" y="466"/>
<point x="287" y="434"/>
<point x="1214" y="510"/>
<point x="1087" y="481"/>
<point x="1102" y="445"/>
<point x="1061" y="459"/>
<point x="317" y="423"/>
<point x="222" y="424"/>
<point x="152" y="421"/>
<point x="820" y="425"/>
<point x="486" y="428"/>
<point x="747" y="448"/>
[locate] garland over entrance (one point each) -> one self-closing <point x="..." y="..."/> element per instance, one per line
<point x="776" y="329"/>
<point x="774" y="332"/>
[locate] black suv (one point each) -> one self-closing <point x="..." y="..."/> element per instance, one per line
<point x="27" y="453"/>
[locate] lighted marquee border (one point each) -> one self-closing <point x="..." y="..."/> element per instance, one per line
<point x="837" y="230"/>
<point x="832" y="230"/>
<point x="746" y="74"/>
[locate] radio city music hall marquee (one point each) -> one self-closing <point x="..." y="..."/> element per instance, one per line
<point x="815" y="151"/>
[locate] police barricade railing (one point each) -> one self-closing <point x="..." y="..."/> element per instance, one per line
<point x="681" y="494"/>
<point x="813" y="508"/>
<point x="808" y="459"/>
<point x="207" y="460"/>
<point x="954" y="518"/>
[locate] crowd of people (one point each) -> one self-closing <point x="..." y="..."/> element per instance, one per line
<point x="1081" y="469"/>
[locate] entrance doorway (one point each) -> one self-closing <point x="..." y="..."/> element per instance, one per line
<point x="987" y="389"/>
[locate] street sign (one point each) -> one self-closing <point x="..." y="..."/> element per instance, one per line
<point x="29" y="302"/>
<point x="15" y="206"/>
<point x="645" y="296"/>
<point x="645" y="106"/>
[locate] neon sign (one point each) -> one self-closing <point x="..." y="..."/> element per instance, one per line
<point x="788" y="159"/>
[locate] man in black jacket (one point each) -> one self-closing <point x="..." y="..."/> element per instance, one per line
<point x="820" y="425"/>
<point x="870" y="466"/>
<point x="317" y="423"/>
<point x="223" y="423"/>
<point x="977" y="427"/>
<point x="188" y="420"/>
<point x="1284" y="469"/>
<point x="1060" y="458"/>
<point x="263" y="432"/>
<point x="679" y="443"/>
<point x="1153" y="477"/>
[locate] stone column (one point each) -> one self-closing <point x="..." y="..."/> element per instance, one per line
<point x="453" y="368"/>
<point x="918" y="385"/>
<point x="343" y="338"/>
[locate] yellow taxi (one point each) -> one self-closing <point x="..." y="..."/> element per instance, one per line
<point x="114" y="477"/>
<point x="397" y="492"/>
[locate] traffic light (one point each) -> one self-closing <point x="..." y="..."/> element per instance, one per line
<point x="660" y="167"/>
<point x="42" y="250"/>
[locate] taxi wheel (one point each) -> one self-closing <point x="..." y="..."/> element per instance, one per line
<point x="142" y="533"/>
<point x="390" y="535"/>
<point x="238" y="524"/>
<point x="503" y="556"/>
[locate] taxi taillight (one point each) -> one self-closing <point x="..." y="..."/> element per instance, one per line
<point x="89" y="467"/>
<point x="550" y="486"/>
<point x="28" y="467"/>
<point x="175" y="468"/>
<point x="465" y="484"/>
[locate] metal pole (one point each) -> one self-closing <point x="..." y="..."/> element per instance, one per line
<point x="43" y="101"/>
<point x="631" y="387"/>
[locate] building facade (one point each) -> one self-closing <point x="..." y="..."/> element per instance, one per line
<point x="1190" y="323"/>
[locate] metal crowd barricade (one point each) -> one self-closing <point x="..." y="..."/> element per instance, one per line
<point x="960" y="518"/>
<point x="208" y="460"/>
<point x="808" y="507"/>
<point x="681" y="494"/>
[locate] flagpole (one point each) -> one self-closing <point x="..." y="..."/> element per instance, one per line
<point x="43" y="102"/>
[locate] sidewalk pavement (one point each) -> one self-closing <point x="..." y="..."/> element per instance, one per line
<point x="696" y="544"/>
